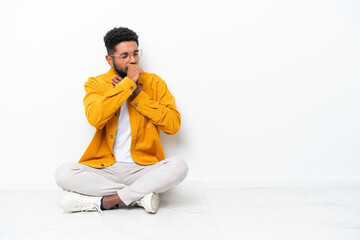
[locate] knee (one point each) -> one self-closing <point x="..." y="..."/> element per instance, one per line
<point x="181" y="167"/>
<point x="63" y="175"/>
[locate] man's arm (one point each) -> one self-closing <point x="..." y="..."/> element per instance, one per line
<point x="100" y="106"/>
<point x="162" y="111"/>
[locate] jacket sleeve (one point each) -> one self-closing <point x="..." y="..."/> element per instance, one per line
<point x="162" y="111"/>
<point x="101" y="103"/>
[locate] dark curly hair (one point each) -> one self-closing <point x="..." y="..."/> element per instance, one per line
<point x="118" y="35"/>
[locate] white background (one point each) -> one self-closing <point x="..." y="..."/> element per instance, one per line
<point x="268" y="90"/>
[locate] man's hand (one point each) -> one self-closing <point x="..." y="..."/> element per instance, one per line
<point x="115" y="80"/>
<point x="134" y="71"/>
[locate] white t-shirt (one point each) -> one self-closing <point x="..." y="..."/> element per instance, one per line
<point x="123" y="136"/>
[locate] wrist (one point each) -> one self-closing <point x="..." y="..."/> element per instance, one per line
<point x="134" y="79"/>
<point x="137" y="90"/>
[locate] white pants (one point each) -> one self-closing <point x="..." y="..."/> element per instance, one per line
<point x="130" y="181"/>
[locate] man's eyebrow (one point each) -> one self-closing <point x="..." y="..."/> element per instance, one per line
<point x="137" y="50"/>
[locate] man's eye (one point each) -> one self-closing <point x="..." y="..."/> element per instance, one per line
<point x="124" y="56"/>
<point x="136" y="53"/>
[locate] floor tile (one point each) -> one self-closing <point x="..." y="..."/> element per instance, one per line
<point x="192" y="213"/>
<point x="286" y="214"/>
<point x="29" y="215"/>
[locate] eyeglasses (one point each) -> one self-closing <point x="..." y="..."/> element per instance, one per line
<point x="125" y="56"/>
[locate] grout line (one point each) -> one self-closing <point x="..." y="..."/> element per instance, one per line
<point x="212" y="214"/>
<point x="56" y="230"/>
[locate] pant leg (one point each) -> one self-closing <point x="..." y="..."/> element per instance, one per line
<point x="157" y="178"/>
<point x="130" y="181"/>
<point x="86" y="180"/>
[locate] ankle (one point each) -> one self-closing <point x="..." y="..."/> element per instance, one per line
<point x="108" y="202"/>
<point x="105" y="205"/>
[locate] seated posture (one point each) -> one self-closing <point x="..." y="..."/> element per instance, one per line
<point x="125" y="162"/>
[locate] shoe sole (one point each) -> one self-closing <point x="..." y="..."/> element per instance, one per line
<point x="155" y="202"/>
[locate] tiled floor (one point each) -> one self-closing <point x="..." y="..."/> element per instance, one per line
<point x="197" y="213"/>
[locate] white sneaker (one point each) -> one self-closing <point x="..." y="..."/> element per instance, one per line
<point x="150" y="202"/>
<point x="73" y="202"/>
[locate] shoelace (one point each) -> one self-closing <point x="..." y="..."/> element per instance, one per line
<point x="86" y="206"/>
<point x="98" y="209"/>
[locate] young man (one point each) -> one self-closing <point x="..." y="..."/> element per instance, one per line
<point x="125" y="162"/>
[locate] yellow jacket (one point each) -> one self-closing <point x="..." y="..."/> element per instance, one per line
<point x="151" y="111"/>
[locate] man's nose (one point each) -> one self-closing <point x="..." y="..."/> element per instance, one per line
<point x="132" y="59"/>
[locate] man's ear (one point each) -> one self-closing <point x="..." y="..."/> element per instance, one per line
<point x="109" y="60"/>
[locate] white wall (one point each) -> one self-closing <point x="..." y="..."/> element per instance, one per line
<point x="268" y="90"/>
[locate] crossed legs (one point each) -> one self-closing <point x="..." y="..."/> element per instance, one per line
<point x="121" y="182"/>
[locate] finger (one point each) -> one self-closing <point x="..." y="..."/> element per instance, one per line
<point x="118" y="78"/>
<point x="115" y="80"/>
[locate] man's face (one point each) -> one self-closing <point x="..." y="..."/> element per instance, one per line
<point x="126" y="53"/>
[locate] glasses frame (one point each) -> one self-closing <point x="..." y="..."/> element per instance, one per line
<point x="126" y="55"/>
